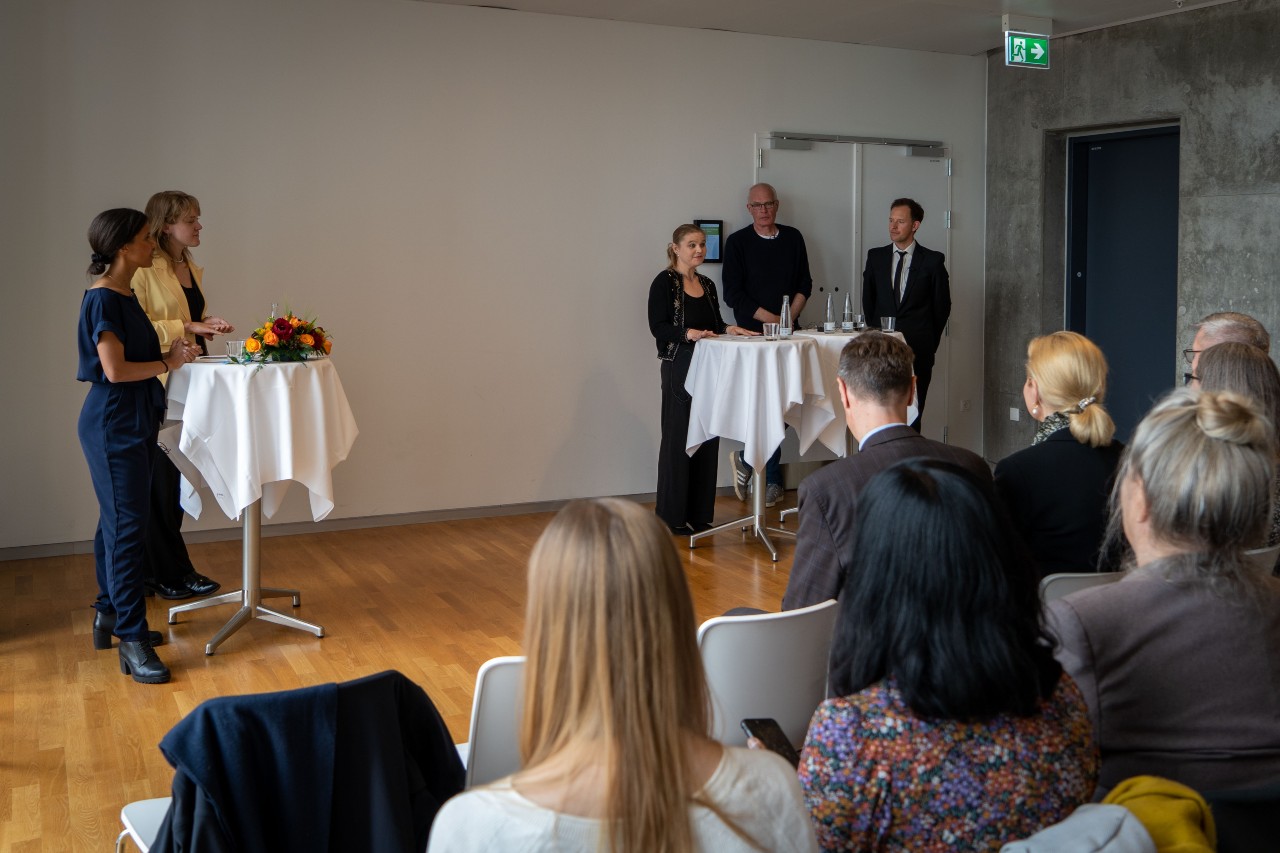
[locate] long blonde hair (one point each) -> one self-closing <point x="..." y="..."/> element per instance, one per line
<point x="165" y="208"/>
<point x="614" y="675"/>
<point x="1071" y="376"/>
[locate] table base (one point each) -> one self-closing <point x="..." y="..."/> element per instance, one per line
<point x="756" y="520"/>
<point x="249" y="598"/>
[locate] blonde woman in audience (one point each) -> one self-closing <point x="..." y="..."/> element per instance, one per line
<point x="1247" y="370"/>
<point x="616" y="713"/>
<point x="954" y="727"/>
<point x="1178" y="660"/>
<point x="1056" y="490"/>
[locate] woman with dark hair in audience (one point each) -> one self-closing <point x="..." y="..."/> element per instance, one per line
<point x="1249" y="371"/>
<point x="955" y="727"/>
<point x="1178" y="660"/>
<point x="121" y="358"/>
<point x="170" y="290"/>
<point x="616" y="713"/>
<point x="1056" y="490"/>
<point x="683" y="309"/>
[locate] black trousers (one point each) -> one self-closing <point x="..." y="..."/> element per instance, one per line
<point x="165" y="555"/>
<point x="686" y="484"/>
<point x="923" y="375"/>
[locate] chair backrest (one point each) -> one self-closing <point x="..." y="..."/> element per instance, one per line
<point x="141" y="820"/>
<point x="767" y="665"/>
<point x="1263" y="559"/>
<point x="1065" y="583"/>
<point x="495" y="721"/>
<point x="1246" y="820"/>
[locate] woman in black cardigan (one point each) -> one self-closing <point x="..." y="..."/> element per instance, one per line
<point x="1057" y="490"/>
<point x="683" y="309"/>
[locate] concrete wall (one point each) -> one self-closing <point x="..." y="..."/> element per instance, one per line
<point x="1215" y="71"/>
<point x="473" y="201"/>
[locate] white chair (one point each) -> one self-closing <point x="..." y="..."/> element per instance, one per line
<point x="1263" y="559"/>
<point x="1065" y="583"/>
<point x="494" y="749"/>
<point x="770" y="665"/>
<point x="142" y="821"/>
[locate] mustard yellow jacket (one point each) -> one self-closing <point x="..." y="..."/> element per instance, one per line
<point x="160" y="295"/>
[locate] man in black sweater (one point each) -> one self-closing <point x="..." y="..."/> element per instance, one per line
<point x="763" y="263"/>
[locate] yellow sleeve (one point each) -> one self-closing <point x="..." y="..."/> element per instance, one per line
<point x="163" y="309"/>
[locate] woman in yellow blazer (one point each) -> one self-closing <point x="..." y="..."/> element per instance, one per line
<point x="169" y="291"/>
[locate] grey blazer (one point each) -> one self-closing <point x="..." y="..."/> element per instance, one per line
<point x="1180" y="682"/>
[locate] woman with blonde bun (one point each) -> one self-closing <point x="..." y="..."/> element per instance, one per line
<point x="616" y="714"/>
<point x="1177" y="661"/>
<point x="1056" y="489"/>
<point x="1247" y="370"/>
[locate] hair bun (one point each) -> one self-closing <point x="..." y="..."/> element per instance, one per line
<point x="1227" y="416"/>
<point x="99" y="258"/>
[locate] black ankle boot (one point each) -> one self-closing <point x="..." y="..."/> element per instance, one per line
<point x="138" y="659"/>
<point x="105" y="623"/>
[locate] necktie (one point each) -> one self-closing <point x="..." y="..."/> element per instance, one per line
<point x="897" y="280"/>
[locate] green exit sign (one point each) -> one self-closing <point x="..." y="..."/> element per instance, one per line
<point x="1026" y="49"/>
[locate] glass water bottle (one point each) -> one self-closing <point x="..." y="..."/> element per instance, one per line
<point x="846" y="322"/>
<point x="784" y="321"/>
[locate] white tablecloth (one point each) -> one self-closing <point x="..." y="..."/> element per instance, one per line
<point x="750" y="389"/>
<point x="829" y="349"/>
<point x="247" y="433"/>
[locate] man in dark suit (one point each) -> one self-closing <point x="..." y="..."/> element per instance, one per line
<point x="907" y="281"/>
<point x="875" y="385"/>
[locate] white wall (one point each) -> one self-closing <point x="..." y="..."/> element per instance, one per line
<point x="473" y="201"/>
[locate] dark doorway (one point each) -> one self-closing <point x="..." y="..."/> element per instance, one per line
<point x="1122" y="261"/>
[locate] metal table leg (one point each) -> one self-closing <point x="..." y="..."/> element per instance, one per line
<point x="251" y="595"/>
<point x="755" y="521"/>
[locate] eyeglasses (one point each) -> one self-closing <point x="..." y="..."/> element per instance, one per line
<point x="1188" y="378"/>
<point x="1190" y="354"/>
<point x="762" y="205"/>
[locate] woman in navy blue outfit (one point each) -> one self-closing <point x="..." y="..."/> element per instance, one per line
<point x="120" y="356"/>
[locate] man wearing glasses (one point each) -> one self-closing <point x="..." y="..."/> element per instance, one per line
<point x="763" y="263"/>
<point x="1220" y="328"/>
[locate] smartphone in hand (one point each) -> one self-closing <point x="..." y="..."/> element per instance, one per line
<point x="768" y="732"/>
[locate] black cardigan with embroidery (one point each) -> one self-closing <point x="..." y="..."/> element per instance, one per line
<point x="666" y="311"/>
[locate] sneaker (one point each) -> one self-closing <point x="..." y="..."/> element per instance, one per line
<point x="772" y="494"/>
<point x="741" y="475"/>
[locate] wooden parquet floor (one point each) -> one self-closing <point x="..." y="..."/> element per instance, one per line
<point x="78" y="740"/>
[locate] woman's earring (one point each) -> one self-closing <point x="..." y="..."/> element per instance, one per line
<point x="1035" y="410"/>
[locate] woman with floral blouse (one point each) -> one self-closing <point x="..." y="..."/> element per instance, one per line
<point x="955" y="727"/>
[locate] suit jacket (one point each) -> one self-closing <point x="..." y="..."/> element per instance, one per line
<point x="363" y="765"/>
<point x="160" y="294"/>
<point x="926" y="302"/>
<point x="1056" y="492"/>
<point x="1181" y="682"/>
<point x="829" y="507"/>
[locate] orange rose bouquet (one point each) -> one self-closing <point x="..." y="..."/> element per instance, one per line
<point x="286" y="338"/>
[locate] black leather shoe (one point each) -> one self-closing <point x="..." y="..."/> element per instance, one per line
<point x="105" y="623"/>
<point x="200" y="585"/>
<point x="170" y="592"/>
<point x="138" y="659"/>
